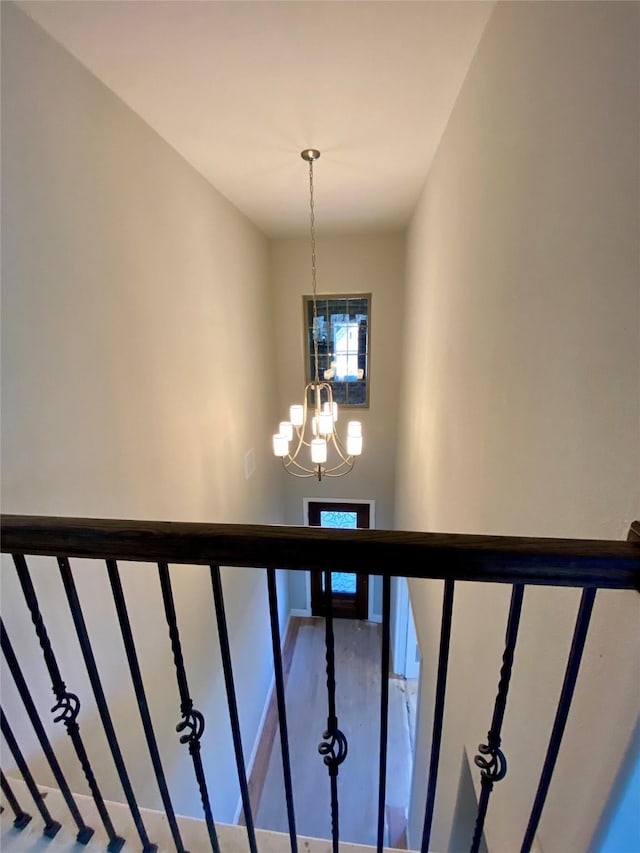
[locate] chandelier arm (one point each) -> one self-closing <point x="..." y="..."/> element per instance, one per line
<point x="301" y="440"/>
<point x="340" y="446"/>
<point x="347" y="463"/>
<point x="301" y="476"/>
<point x="302" y="444"/>
<point x="347" y="459"/>
<point x="290" y="460"/>
<point x="344" y="459"/>
<point x="309" y="472"/>
<point x="302" y="429"/>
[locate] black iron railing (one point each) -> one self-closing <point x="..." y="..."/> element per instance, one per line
<point x="589" y="565"/>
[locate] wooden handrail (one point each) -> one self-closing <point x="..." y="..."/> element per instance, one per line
<point x="502" y="559"/>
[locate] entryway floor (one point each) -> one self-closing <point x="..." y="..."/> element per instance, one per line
<point x="357" y="653"/>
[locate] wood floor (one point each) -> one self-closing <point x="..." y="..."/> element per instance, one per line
<point x="358" y="650"/>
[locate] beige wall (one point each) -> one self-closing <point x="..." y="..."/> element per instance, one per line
<point x="135" y="338"/>
<point x="520" y="409"/>
<point x="372" y="263"/>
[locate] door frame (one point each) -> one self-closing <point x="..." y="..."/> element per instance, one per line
<point x="372" y="524"/>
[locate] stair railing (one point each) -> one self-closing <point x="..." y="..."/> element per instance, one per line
<point x="520" y="562"/>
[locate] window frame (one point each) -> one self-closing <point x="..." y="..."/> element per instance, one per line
<point x="308" y="299"/>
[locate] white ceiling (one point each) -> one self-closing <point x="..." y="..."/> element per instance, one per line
<point x="239" y="88"/>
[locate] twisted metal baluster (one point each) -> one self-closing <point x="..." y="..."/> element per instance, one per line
<point x="334" y="747"/>
<point x="384" y="708"/>
<point x="67" y="705"/>
<point x="564" y="704"/>
<point x="227" y="668"/>
<point x="494" y="768"/>
<point x="282" y="707"/>
<point x="141" y="698"/>
<point x="192" y="724"/>
<point x="21" y="818"/>
<point x="51" y="826"/>
<point x="103" y="709"/>
<point x="84" y="832"/>
<point x="438" y="710"/>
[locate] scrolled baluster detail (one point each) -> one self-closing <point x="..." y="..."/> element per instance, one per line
<point x="491" y="760"/>
<point x="333" y="760"/>
<point x="193" y="724"/>
<point x="333" y="757"/>
<point x="334" y="747"/>
<point x="85" y="832"/>
<point x="494" y="768"/>
<point x="191" y="727"/>
<point x="67" y="704"/>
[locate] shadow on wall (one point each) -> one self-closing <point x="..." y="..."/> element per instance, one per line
<point x="464" y="817"/>
<point x="619" y="827"/>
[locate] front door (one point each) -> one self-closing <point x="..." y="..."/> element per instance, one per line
<point x="350" y="592"/>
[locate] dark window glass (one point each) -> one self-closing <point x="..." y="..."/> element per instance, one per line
<point x="342" y="332"/>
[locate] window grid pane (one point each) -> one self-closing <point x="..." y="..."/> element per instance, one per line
<point x="342" y="332"/>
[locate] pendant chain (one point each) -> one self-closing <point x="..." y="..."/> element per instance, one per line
<point x="313" y="274"/>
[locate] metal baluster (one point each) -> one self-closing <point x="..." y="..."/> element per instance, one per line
<point x="282" y="708"/>
<point x="21" y="818"/>
<point x="96" y="685"/>
<point x="384" y="707"/>
<point x="225" y="652"/>
<point x="192" y="720"/>
<point x="564" y="704"/>
<point x="494" y="768"/>
<point x="51" y="826"/>
<point x="138" y="686"/>
<point x="334" y="747"/>
<point x="68" y="704"/>
<point x="84" y="832"/>
<point x="438" y="712"/>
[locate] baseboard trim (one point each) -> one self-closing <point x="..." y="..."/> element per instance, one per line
<point x="256" y="743"/>
<point x="268" y="726"/>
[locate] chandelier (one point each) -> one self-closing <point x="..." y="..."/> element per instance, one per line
<point x="308" y="443"/>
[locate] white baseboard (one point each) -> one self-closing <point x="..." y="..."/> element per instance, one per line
<point x="249" y="764"/>
<point x="298" y="612"/>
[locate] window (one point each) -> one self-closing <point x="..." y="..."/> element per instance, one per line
<point x="343" y="345"/>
